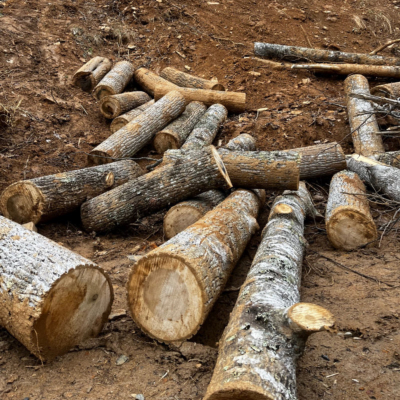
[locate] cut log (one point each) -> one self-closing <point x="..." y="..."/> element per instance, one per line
<point x="233" y="101"/>
<point x="40" y="199"/>
<point x="172" y="289"/>
<point x="348" y="219"/>
<point x="123" y="119"/>
<point x="112" y="106"/>
<point x="243" y="142"/>
<point x="51" y="298"/>
<point x="148" y="81"/>
<point x="185" y="80"/>
<point x="88" y="76"/>
<point x="390" y="90"/>
<point x="206" y="129"/>
<point x="115" y="81"/>
<point x="268" y="327"/>
<point x="362" y="119"/>
<point x="391" y="158"/>
<point x="175" y="134"/>
<point x="187" y="174"/>
<point x="140" y="131"/>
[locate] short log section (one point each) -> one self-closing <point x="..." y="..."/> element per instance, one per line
<point x="123" y="119"/>
<point x="148" y="81"/>
<point x="112" y="106"/>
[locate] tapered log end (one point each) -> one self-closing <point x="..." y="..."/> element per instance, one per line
<point x="85" y="81"/>
<point x="166" y="140"/>
<point x="110" y="107"/>
<point x="102" y="91"/>
<point x="97" y="157"/>
<point x="239" y="390"/>
<point x="177" y="219"/>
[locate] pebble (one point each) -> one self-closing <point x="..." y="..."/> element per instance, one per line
<point x="122" y="360"/>
<point x="348" y="334"/>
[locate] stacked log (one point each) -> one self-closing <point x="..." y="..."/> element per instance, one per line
<point x="90" y="74"/>
<point x="148" y="81"/>
<point x="112" y="106"/>
<point x="390" y="91"/>
<point x="391" y="158"/>
<point x="123" y="119"/>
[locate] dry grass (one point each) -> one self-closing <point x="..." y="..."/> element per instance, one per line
<point x="9" y="112"/>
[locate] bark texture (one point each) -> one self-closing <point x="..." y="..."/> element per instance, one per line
<point x="136" y="134"/>
<point x="43" y="198"/>
<point x="391" y="90"/>
<point x="243" y="142"/>
<point x="112" y="106"/>
<point x="51" y="299"/>
<point x="391" y="158"/>
<point x="123" y="119"/>
<point x="148" y="81"/>
<point x="172" y="289"/>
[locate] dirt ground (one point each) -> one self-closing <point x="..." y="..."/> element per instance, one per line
<point x="50" y="125"/>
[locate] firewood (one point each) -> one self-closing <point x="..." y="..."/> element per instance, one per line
<point x="185" y="80"/>
<point x="268" y="326"/>
<point x="390" y="90"/>
<point x="112" y="106"/>
<point x="243" y="142"/>
<point x="181" y="176"/>
<point x="172" y="289"/>
<point x="51" y="298"/>
<point x="40" y="199"/>
<point x="391" y="158"/>
<point x="175" y="134"/>
<point x="115" y="80"/>
<point x="88" y="76"/>
<point x="136" y="134"/>
<point x="348" y="219"/>
<point x="148" y="81"/>
<point x="123" y="119"/>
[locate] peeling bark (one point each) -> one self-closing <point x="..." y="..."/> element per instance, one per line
<point x="148" y="81"/>
<point x="112" y="106"/>
<point x="123" y="119"/>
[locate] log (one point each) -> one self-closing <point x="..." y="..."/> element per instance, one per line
<point x="90" y="74"/>
<point x="136" y="134"/>
<point x="296" y="53"/>
<point x="348" y="219"/>
<point x="115" y="81"/>
<point x="123" y="119"/>
<point x="187" y="174"/>
<point x="112" y="106"/>
<point x="233" y="101"/>
<point x="40" y="199"/>
<point x="51" y="298"/>
<point x="390" y="90"/>
<point x="185" y="80"/>
<point x="175" y="134"/>
<point x="206" y="129"/>
<point x="268" y="326"/>
<point x="148" y="81"/>
<point x="362" y="120"/>
<point x="391" y="158"/>
<point x="172" y="289"/>
<point x="243" y="142"/>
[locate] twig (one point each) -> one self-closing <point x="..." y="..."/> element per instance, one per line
<point x="375" y="99"/>
<point x="305" y="35"/>
<point x="152" y="166"/>
<point x="383" y="46"/>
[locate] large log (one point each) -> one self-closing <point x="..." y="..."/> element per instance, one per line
<point x="188" y="174"/>
<point x="268" y="327"/>
<point x="148" y="81"/>
<point x="185" y="80"/>
<point x="175" y="134"/>
<point x="112" y="106"/>
<point x="51" y="299"/>
<point x="115" y="81"/>
<point x="136" y="134"/>
<point x="172" y="289"/>
<point x="40" y="199"/>
<point x="233" y="101"/>
<point x="348" y="219"/>
<point x="90" y="74"/>
<point x="123" y="119"/>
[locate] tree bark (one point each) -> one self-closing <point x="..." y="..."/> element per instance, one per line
<point x="148" y="81"/>
<point x="175" y="134"/>
<point x="391" y="158"/>
<point x="185" y="80"/>
<point x="362" y="119"/>
<point x="390" y="90"/>
<point x="115" y="81"/>
<point x="233" y="101"/>
<point x="90" y="74"/>
<point x="348" y="219"/>
<point x="123" y="119"/>
<point x="184" y="175"/>
<point x="268" y="326"/>
<point x="112" y="106"/>
<point x="243" y="142"/>
<point x="172" y="289"/>
<point x="40" y="199"/>
<point x="51" y="298"/>
<point x="136" y="134"/>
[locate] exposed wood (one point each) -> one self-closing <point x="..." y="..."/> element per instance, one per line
<point x="148" y="81"/>
<point x="128" y="140"/>
<point x="391" y="158"/>
<point x="268" y="327"/>
<point x="51" y="299"/>
<point x="278" y="66"/>
<point x="123" y="119"/>
<point x="243" y="142"/>
<point x="40" y="199"/>
<point x="348" y="219"/>
<point x="90" y="74"/>
<point x="112" y="106"/>
<point x="172" y="289"/>
<point x="30" y="226"/>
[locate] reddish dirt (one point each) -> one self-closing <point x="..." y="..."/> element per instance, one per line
<point x="50" y="125"/>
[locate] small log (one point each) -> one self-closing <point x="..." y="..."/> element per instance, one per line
<point x="243" y="142"/>
<point x="391" y="158"/>
<point x="185" y="80"/>
<point x="390" y="90"/>
<point x="40" y="199"/>
<point x="136" y="134"/>
<point x="233" y="101"/>
<point x="112" y="106"/>
<point x="115" y="81"/>
<point x="175" y="134"/>
<point x="51" y="298"/>
<point x="172" y="289"/>
<point x="88" y="76"/>
<point x="148" y="81"/>
<point x="206" y="129"/>
<point x="348" y="219"/>
<point x="268" y="326"/>
<point x="362" y="119"/>
<point x="186" y="174"/>
<point x="123" y="119"/>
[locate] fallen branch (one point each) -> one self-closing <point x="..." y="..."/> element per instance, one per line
<point x="383" y="46"/>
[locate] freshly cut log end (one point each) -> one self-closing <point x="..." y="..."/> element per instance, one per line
<point x="148" y="81"/>
<point x="88" y="76"/>
<point x="283" y="209"/>
<point x="112" y="106"/>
